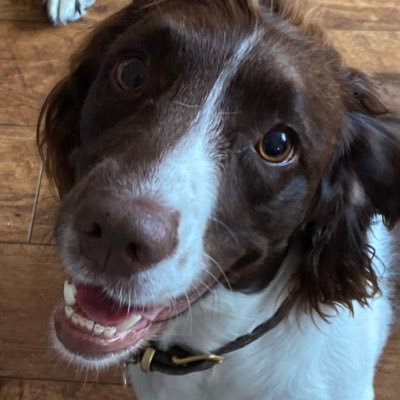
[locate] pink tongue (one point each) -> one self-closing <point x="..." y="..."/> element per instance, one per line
<point x="97" y="307"/>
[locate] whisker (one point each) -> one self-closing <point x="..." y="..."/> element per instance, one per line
<point x="189" y="310"/>
<point x="179" y="103"/>
<point x="214" y="278"/>
<point x="220" y="268"/>
<point x="233" y="236"/>
<point x="215" y="297"/>
<point x="230" y="113"/>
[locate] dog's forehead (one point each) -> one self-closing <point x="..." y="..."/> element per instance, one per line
<point x="208" y="37"/>
<point x="225" y="79"/>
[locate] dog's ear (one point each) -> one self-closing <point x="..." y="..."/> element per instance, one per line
<point x="58" y="132"/>
<point x="362" y="180"/>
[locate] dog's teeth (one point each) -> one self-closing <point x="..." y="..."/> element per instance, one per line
<point x="75" y="319"/>
<point x="109" y="331"/>
<point x="129" y="322"/>
<point x="89" y="324"/>
<point x="98" y="329"/>
<point x="81" y="321"/>
<point x="85" y="323"/>
<point x="69" y="311"/>
<point x="69" y="293"/>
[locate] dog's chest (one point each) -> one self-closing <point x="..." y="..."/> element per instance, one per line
<point x="301" y="359"/>
<point x="292" y="364"/>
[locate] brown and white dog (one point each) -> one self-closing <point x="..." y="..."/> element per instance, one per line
<point x="215" y="158"/>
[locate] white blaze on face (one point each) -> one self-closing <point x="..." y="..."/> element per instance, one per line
<point x="186" y="180"/>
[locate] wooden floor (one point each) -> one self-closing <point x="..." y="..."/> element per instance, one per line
<point x="32" y="56"/>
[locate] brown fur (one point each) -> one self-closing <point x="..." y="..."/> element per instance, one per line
<point x="348" y="140"/>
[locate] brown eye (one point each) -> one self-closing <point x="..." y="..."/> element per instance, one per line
<point x="130" y="74"/>
<point x="276" y="146"/>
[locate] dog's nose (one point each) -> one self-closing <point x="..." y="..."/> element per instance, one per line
<point x="121" y="237"/>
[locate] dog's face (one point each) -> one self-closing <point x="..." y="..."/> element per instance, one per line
<point x="196" y="143"/>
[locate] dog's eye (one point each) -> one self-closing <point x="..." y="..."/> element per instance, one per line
<point x="276" y="146"/>
<point x="130" y="74"/>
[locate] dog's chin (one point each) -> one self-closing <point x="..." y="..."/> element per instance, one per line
<point x="84" y="361"/>
<point x="91" y="351"/>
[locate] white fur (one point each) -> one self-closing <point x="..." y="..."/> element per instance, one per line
<point x="300" y="359"/>
<point x="184" y="179"/>
<point x="63" y="11"/>
<point x="303" y="358"/>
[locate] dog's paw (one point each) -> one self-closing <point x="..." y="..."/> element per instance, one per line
<point x="61" y="12"/>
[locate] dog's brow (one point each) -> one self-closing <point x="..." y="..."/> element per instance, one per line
<point x="208" y="117"/>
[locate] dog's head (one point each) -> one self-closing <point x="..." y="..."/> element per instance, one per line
<point x="197" y="141"/>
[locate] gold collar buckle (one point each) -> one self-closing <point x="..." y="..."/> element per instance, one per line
<point x="216" y="359"/>
<point x="150" y="352"/>
<point x="147" y="358"/>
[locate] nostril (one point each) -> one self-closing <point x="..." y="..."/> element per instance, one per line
<point x="94" y="231"/>
<point x="133" y="251"/>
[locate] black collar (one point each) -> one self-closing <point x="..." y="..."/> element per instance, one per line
<point x="178" y="361"/>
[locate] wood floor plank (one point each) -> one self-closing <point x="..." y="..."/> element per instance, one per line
<point x="387" y="382"/>
<point x="19" y="174"/>
<point x="23" y="87"/>
<point x="26" y="41"/>
<point x="30" y="286"/>
<point x="32" y="10"/>
<point x="369" y="50"/>
<point x="359" y="14"/>
<point x="337" y="14"/>
<point x="31" y="61"/>
<point x="390" y="86"/>
<point x="47" y="390"/>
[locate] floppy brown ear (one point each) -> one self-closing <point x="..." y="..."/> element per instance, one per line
<point x="58" y="129"/>
<point x="361" y="181"/>
<point x="58" y="132"/>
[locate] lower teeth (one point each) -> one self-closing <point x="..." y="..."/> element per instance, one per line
<point x="97" y="329"/>
<point x="88" y="325"/>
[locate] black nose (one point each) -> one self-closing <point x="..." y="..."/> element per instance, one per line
<point x="121" y="236"/>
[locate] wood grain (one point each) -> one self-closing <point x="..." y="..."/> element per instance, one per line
<point x="11" y="389"/>
<point x="337" y="14"/>
<point x="32" y="59"/>
<point x="387" y="382"/>
<point x="32" y="10"/>
<point x="359" y="14"/>
<point x="390" y="87"/>
<point x="369" y="51"/>
<point x="30" y="286"/>
<point x="19" y="174"/>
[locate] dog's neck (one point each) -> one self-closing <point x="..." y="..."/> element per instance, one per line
<point x="285" y="359"/>
<point x="228" y="314"/>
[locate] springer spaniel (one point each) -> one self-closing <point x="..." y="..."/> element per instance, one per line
<point x="228" y="192"/>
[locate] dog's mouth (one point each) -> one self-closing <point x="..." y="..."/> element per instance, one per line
<point x="92" y="325"/>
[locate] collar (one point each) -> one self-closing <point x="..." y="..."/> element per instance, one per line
<point x="179" y="361"/>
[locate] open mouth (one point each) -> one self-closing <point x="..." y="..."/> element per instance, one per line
<point x="92" y="325"/>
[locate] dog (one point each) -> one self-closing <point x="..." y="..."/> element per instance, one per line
<point x="229" y="198"/>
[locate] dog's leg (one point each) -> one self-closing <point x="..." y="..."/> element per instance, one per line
<point x="61" y="12"/>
